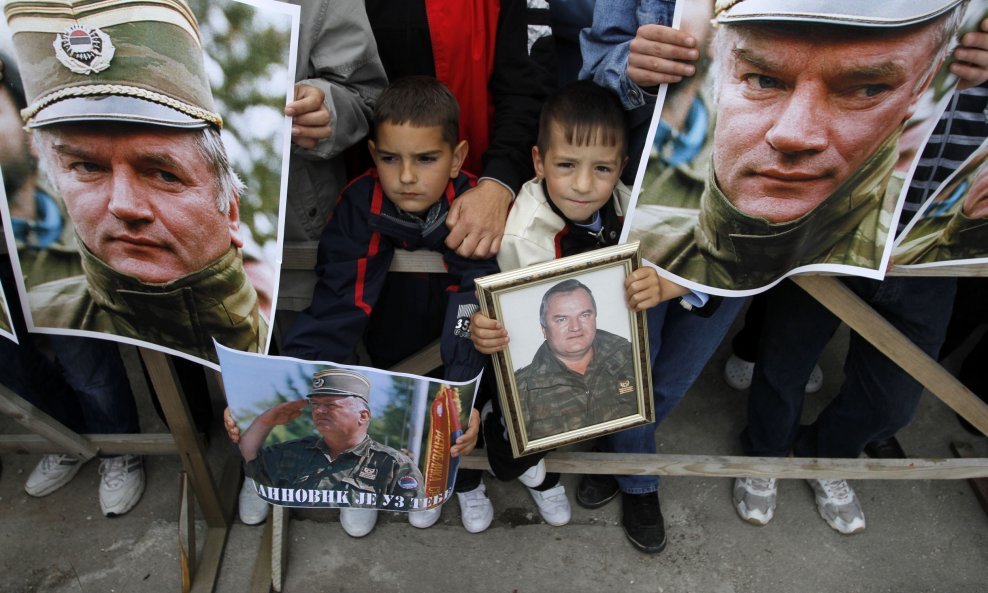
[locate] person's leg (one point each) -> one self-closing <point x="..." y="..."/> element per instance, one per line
<point x="795" y="331"/>
<point x="878" y="397"/>
<point x="97" y="374"/>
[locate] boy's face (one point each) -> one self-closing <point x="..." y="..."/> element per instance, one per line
<point x="580" y="179"/>
<point x="415" y="164"/>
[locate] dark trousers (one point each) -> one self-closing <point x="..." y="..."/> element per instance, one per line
<point x="877" y="398"/>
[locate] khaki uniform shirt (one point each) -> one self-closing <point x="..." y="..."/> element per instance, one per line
<point x="556" y="399"/>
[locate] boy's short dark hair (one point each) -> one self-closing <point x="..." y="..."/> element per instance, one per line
<point x="585" y="113"/>
<point x="419" y="101"/>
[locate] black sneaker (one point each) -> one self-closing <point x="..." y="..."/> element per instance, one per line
<point x="885" y="449"/>
<point x="642" y="520"/>
<point x="596" y="490"/>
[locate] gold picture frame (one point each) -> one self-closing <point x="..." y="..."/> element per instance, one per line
<point x="548" y="410"/>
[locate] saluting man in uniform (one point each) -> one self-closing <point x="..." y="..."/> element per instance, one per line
<point x="342" y="458"/>
<point x="126" y="129"/>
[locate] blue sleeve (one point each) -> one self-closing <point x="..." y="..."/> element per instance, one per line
<point x="606" y="45"/>
<point x="461" y="361"/>
<point x="352" y="264"/>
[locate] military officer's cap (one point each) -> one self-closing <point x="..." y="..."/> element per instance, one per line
<point x="111" y="60"/>
<point x="862" y="13"/>
<point x="340" y="383"/>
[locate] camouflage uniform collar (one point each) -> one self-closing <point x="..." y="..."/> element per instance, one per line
<point x="545" y="363"/>
<point x="857" y="216"/>
<point x="359" y="450"/>
<point x="186" y="313"/>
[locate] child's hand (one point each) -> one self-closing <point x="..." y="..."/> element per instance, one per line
<point x="971" y="58"/>
<point x="657" y="55"/>
<point x="488" y="336"/>
<point x="468" y="440"/>
<point x="232" y="430"/>
<point x="643" y="289"/>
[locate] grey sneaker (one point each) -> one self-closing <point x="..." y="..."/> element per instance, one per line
<point x="121" y="484"/>
<point x="754" y="499"/>
<point x="838" y="505"/>
<point x="51" y="473"/>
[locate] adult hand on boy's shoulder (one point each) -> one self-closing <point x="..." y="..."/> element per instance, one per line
<point x="476" y="220"/>
<point x="658" y="55"/>
<point x="310" y="116"/>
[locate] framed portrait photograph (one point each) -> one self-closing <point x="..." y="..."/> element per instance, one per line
<point x="577" y="365"/>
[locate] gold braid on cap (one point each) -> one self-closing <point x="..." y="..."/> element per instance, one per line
<point x="722" y="5"/>
<point x="121" y="90"/>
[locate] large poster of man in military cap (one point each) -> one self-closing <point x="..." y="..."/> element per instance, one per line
<point x="150" y="182"/>
<point x="791" y="148"/>
<point x="316" y="434"/>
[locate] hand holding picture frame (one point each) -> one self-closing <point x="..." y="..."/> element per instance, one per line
<point x="577" y="365"/>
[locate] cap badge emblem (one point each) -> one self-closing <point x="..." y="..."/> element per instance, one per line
<point x="318" y="382"/>
<point x="83" y="49"/>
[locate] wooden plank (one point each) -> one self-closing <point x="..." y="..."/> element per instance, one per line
<point x="301" y="255"/>
<point x="192" y="450"/>
<point x="186" y="532"/>
<point x="880" y="333"/>
<point x="260" y="578"/>
<point x="723" y="466"/>
<point x="965" y="270"/>
<point x="29" y="416"/>
<point x="204" y="581"/>
<point x="280" y="517"/>
<point x="979" y="485"/>
<point x="109" y="444"/>
<point x="421" y="362"/>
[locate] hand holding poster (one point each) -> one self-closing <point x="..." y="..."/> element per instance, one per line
<point x="327" y="435"/>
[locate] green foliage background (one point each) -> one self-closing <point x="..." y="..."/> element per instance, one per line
<point x="247" y="62"/>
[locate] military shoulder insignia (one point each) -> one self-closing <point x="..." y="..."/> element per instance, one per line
<point x="83" y="49"/>
<point x="368" y="473"/>
<point x="408" y="483"/>
<point x="625" y="387"/>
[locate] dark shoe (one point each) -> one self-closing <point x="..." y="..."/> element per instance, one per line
<point x="885" y="449"/>
<point x="642" y="520"/>
<point x="595" y="490"/>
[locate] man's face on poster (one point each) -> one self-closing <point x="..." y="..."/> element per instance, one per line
<point x="570" y="324"/>
<point x="143" y="199"/>
<point x="340" y="417"/>
<point x="801" y="108"/>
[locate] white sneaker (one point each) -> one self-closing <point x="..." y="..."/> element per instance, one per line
<point x="754" y="499"/>
<point x="553" y="505"/>
<point x="252" y="508"/>
<point x="51" y="473"/>
<point x="357" y="522"/>
<point x="476" y="510"/>
<point x="838" y="505"/>
<point x="815" y="382"/>
<point x="738" y="373"/>
<point x="122" y="483"/>
<point x="425" y="518"/>
<point x="534" y="476"/>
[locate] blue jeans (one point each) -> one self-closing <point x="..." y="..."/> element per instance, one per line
<point x="877" y="398"/>
<point x="680" y="344"/>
